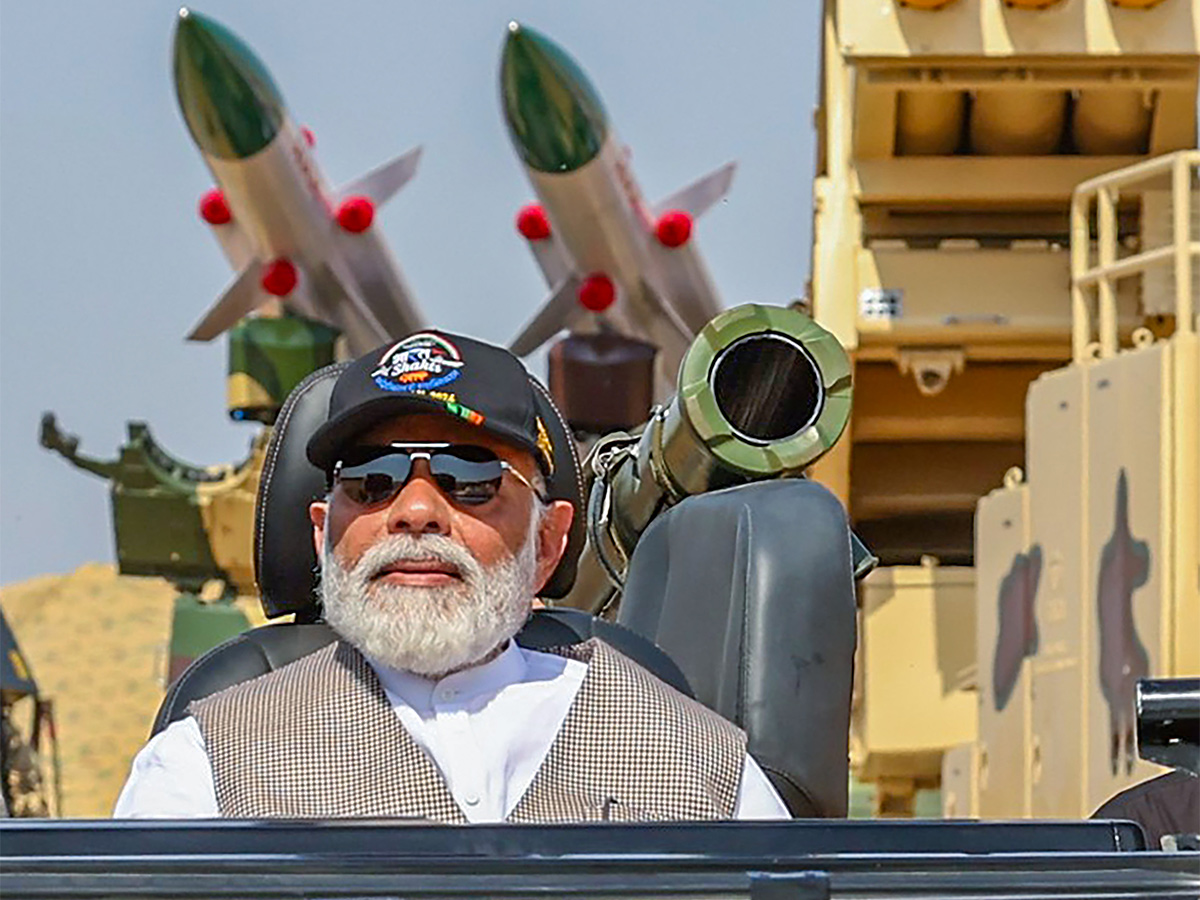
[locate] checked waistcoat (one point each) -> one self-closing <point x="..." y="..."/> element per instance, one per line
<point x="318" y="738"/>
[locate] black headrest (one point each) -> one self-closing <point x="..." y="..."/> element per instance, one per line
<point x="285" y="562"/>
<point x="565" y="483"/>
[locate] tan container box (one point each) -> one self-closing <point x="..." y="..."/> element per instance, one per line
<point x="1057" y="452"/>
<point x="1128" y="599"/>
<point x="1007" y="572"/>
<point x="916" y="694"/>
<point x="960" y="782"/>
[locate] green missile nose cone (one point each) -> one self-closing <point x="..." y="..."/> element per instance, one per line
<point x="232" y="107"/>
<point x="554" y="115"/>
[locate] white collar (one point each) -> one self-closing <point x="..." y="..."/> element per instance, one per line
<point x="507" y="668"/>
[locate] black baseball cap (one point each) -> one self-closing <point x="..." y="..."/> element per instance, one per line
<point x="481" y="384"/>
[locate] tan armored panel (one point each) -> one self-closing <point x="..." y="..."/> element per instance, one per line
<point x="1128" y="606"/>
<point x="952" y="135"/>
<point x="1008" y="572"/>
<point x="97" y="644"/>
<point x="1000" y="28"/>
<point x="1057" y="452"/>
<point x="960" y="787"/>
<point x="227" y="511"/>
<point x="916" y="690"/>
<point x="1185" y="501"/>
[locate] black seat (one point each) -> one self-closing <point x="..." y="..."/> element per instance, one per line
<point x="750" y="591"/>
<point x="285" y="565"/>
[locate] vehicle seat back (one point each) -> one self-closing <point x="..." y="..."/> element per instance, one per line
<point x="750" y="590"/>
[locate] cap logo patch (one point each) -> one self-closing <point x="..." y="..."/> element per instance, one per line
<point x="421" y="362"/>
<point x="545" y="446"/>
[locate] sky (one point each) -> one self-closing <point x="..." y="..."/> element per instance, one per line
<point x="105" y="264"/>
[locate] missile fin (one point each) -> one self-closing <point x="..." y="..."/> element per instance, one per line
<point x="557" y="313"/>
<point x="699" y="196"/>
<point x="242" y="297"/>
<point x="552" y="259"/>
<point x="235" y="244"/>
<point x="380" y="184"/>
<point x="352" y="314"/>
<point x="372" y="280"/>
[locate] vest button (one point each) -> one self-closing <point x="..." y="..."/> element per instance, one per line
<point x="472" y="799"/>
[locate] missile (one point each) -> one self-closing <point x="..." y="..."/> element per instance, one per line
<point x="613" y="262"/>
<point x="286" y="233"/>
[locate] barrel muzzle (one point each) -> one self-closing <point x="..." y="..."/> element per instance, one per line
<point x="764" y="392"/>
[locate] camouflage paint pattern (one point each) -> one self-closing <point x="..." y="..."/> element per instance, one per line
<point x="270" y="355"/>
<point x="1017" y="636"/>
<point x="1124" y="567"/>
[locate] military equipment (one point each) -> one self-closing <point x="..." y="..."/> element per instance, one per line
<point x="612" y="261"/>
<point x="602" y="382"/>
<point x="16" y="680"/>
<point x="24" y="769"/>
<point x="270" y="355"/>
<point x="192" y="526"/>
<point x="763" y="393"/>
<point x="956" y="260"/>
<point x="1108" y="501"/>
<point x="287" y="234"/>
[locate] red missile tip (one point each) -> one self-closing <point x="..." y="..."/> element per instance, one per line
<point x="214" y="210"/>
<point x="532" y="223"/>
<point x="279" y="278"/>
<point x="309" y="137"/>
<point x="674" y="228"/>
<point x="356" y="214"/>
<point x="597" y="293"/>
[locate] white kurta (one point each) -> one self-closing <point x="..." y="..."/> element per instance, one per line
<point x="487" y="729"/>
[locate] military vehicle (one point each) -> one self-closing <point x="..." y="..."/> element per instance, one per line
<point x="776" y="601"/>
<point x="797" y="859"/>
<point x="1003" y="201"/>
<point x="29" y="786"/>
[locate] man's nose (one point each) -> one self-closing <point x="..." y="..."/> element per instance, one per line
<point x="420" y="507"/>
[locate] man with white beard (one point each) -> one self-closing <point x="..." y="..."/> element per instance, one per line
<point x="435" y="537"/>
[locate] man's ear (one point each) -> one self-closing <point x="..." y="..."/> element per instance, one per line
<point x="552" y="538"/>
<point x="318" y="512"/>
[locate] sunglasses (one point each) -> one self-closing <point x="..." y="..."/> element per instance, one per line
<point x="465" y="473"/>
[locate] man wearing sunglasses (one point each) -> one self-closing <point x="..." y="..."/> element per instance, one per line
<point x="447" y="513"/>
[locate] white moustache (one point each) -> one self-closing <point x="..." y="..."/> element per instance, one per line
<point x="433" y="549"/>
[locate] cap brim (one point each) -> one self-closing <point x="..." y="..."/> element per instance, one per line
<point x="328" y="441"/>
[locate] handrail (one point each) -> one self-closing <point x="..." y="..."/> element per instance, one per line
<point x="1101" y="277"/>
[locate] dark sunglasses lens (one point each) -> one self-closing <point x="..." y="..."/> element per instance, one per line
<point x="377" y="480"/>
<point x="470" y="476"/>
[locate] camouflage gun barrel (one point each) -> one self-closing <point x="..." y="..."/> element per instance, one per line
<point x="763" y="393"/>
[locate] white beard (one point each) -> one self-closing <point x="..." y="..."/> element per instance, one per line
<point x="430" y="631"/>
